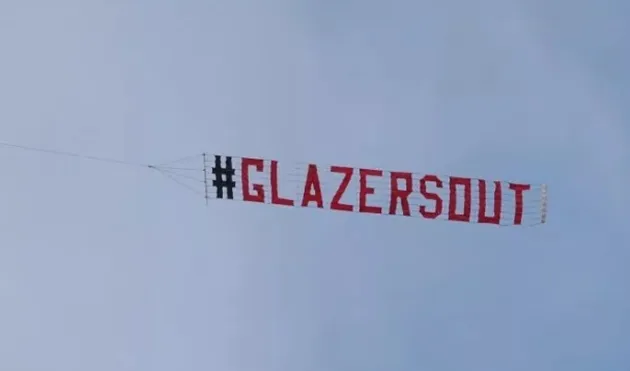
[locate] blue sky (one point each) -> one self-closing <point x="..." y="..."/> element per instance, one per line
<point x="111" y="268"/>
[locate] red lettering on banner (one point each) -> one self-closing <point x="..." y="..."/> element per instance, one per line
<point x="452" y="203"/>
<point x="431" y="196"/>
<point x="483" y="203"/>
<point x="364" y="191"/>
<point x="275" y="194"/>
<point x="336" y="204"/>
<point x="312" y="188"/>
<point x="518" y="195"/>
<point x="259" y="192"/>
<point x="401" y="194"/>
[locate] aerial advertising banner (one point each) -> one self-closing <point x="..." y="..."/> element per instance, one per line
<point x="374" y="191"/>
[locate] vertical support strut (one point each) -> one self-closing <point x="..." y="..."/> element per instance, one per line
<point x="205" y="177"/>
<point x="543" y="206"/>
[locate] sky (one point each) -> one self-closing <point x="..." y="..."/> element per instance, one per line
<point x="106" y="267"/>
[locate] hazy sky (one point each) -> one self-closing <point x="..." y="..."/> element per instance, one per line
<point x="105" y="268"/>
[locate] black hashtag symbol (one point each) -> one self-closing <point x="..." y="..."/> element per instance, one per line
<point x="223" y="177"/>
